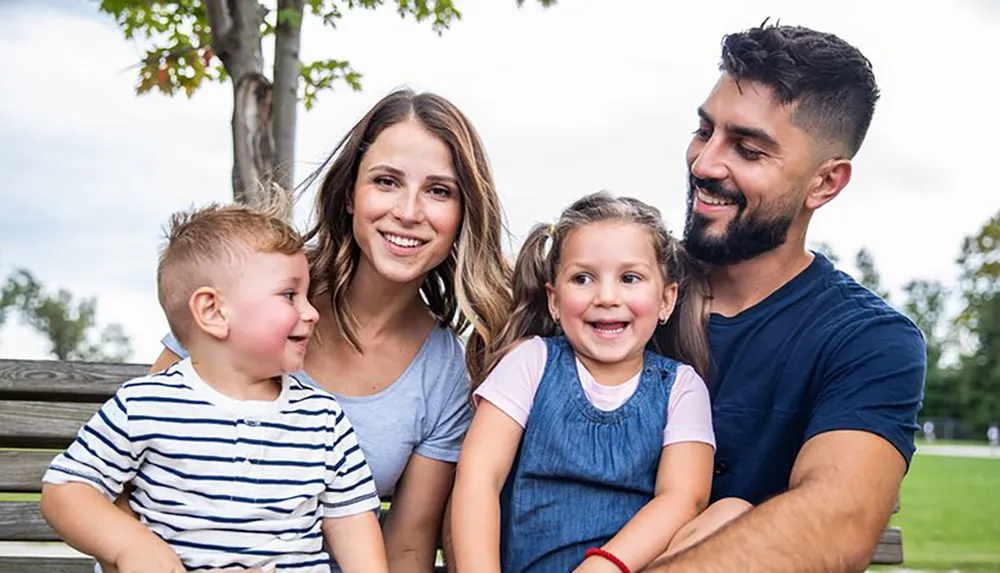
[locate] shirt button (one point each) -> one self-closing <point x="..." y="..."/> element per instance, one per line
<point x="721" y="468"/>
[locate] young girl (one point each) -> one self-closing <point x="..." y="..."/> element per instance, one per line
<point x="588" y="452"/>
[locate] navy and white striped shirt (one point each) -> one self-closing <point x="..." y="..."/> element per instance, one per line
<point x="227" y="483"/>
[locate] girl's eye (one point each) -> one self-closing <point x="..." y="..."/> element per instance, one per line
<point x="580" y="279"/>
<point x="631" y="278"/>
<point x="290" y="295"/>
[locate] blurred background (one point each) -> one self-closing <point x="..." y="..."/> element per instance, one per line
<point x="105" y="131"/>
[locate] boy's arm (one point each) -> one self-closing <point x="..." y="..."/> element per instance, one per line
<point x="88" y="521"/>
<point x="356" y="542"/>
<point x="483" y="466"/>
<point x="683" y="486"/>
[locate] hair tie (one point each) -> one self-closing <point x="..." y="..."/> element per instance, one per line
<point x="552" y="230"/>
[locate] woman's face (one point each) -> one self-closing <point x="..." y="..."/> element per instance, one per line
<point x="407" y="206"/>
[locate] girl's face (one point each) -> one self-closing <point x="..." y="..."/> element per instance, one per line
<point x="407" y="206"/>
<point x="608" y="294"/>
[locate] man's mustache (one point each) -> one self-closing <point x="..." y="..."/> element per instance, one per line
<point x="716" y="188"/>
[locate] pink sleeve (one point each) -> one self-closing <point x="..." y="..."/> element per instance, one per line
<point x="689" y="415"/>
<point x="512" y="384"/>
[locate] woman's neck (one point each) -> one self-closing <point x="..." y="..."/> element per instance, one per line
<point x="378" y="305"/>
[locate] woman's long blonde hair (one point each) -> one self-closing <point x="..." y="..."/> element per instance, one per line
<point x="471" y="287"/>
<point x="683" y="337"/>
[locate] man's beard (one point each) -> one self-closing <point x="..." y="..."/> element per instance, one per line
<point x="744" y="238"/>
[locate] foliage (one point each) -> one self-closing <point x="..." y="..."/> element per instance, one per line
<point x="67" y="323"/>
<point x="179" y="55"/>
<point x="868" y="275"/>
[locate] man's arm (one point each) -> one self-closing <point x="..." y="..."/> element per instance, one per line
<point x="842" y="490"/>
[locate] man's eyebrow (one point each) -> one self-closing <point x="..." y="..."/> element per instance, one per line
<point x="743" y="131"/>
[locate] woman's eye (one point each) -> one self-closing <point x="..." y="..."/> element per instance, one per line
<point x="385" y="181"/>
<point x="442" y="192"/>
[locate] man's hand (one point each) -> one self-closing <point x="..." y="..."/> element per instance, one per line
<point x="842" y="491"/>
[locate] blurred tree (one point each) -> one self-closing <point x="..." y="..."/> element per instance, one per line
<point x="868" y="275"/>
<point x="979" y="325"/>
<point x="192" y="41"/>
<point x="826" y="249"/>
<point x="65" y="322"/>
<point x="925" y="304"/>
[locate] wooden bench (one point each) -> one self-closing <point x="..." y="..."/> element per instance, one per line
<point x="42" y="406"/>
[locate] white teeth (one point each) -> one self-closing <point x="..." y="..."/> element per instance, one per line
<point x="710" y="200"/>
<point x="402" y="241"/>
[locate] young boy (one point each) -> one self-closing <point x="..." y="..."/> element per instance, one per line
<point x="235" y="463"/>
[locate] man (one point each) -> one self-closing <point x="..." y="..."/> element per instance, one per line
<point x="815" y="381"/>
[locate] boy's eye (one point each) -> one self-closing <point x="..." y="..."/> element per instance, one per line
<point x="290" y="295"/>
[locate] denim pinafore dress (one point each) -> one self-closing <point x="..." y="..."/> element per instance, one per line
<point x="580" y="473"/>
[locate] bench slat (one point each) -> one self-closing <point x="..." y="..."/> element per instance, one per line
<point x="22" y="521"/>
<point x="42" y="424"/>
<point x="889" y="550"/>
<point x="46" y="564"/>
<point x="22" y="471"/>
<point x="83" y="381"/>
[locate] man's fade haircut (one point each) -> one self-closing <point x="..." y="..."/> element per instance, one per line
<point x="203" y="242"/>
<point x="831" y="81"/>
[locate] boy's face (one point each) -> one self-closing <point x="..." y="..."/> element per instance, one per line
<point x="269" y="315"/>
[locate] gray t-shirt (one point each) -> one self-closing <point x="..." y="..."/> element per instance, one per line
<point x="425" y="411"/>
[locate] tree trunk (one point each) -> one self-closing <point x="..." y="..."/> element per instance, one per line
<point x="236" y="40"/>
<point x="287" y="40"/>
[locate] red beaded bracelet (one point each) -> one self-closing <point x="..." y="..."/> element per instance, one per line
<point x="610" y="557"/>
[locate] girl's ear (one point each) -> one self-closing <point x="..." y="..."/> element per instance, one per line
<point x="553" y="298"/>
<point x="207" y="307"/>
<point x="669" y="302"/>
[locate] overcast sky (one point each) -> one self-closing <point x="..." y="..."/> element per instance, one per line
<point x="568" y="100"/>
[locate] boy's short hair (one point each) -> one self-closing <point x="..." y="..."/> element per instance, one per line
<point x="202" y="243"/>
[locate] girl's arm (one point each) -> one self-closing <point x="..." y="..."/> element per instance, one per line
<point x="356" y="542"/>
<point x="485" y="461"/>
<point x="683" y="485"/>
<point x="414" y="521"/>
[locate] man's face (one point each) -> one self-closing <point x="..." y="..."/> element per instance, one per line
<point x="748" y="170"/>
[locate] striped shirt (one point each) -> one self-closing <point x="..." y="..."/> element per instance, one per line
<point x="226" y="483"/>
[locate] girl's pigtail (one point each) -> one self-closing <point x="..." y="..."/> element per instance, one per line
<point x="685" y="336"/>
<point x="529" y="314"/>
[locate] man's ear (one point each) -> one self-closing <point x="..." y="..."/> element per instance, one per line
<point x="206" y="306"/>
<point x="833" y="175"/>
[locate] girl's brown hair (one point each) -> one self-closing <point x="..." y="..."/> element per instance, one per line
<point x="684" y="337"/>
<point x="471" y="286"/>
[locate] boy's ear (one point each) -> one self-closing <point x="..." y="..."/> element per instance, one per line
<point x="669" y="302"/>
<point x="206" y="306"/>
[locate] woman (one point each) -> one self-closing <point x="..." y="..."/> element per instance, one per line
<point x="405" y="254"/>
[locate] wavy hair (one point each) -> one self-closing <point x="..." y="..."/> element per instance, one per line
<point x="471" y="287"/>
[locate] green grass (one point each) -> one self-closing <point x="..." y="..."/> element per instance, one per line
<point x="20" y="496"/>
<point x="950" y="515"/>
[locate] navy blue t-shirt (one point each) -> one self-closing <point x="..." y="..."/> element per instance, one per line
<point x="821" y="353"/>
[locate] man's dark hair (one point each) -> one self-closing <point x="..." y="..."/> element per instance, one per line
<point x="831" y="80"/>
